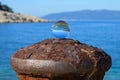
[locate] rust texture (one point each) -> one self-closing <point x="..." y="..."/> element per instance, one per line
<point x="90" y="62"/>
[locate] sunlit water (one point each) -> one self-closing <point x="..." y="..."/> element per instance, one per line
<point x="104" y="35"/>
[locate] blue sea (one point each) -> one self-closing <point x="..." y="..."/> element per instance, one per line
<point x="101" y="34"/>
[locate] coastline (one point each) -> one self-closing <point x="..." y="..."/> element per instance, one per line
<point x="8" y="17"/>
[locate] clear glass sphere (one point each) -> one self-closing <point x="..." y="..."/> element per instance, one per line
<point x="60" y="29"/>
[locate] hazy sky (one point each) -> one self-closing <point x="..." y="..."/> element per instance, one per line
<point x="43" y="7"/>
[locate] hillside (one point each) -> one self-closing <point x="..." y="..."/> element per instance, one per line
<point x="4" y="7"/>
<point x="86" y="15"/>
<point x="8" y="17"/>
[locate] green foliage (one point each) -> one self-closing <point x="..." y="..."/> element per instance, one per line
<point x="4" y="7"/>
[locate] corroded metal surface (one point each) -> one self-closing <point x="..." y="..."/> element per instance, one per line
<point x="42" y="67"/>
<point x="60" y="57"/>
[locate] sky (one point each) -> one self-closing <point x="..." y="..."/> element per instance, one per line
<point x="43" y="7"/>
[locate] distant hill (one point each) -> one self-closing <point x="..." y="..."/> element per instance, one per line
<point x="86" y="15"/>
<point x="4" y="7"/>
<point x="8" y="17"/>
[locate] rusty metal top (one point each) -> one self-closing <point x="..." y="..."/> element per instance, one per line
<point x="77" y="56"/>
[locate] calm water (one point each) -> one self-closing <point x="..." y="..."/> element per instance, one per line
<point x="104" y="35"/>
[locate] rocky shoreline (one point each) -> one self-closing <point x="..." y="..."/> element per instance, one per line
<point x="8" y="17"/>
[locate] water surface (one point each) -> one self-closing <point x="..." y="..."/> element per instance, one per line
<point x="104" y="35"/>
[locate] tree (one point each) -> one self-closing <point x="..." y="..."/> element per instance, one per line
<point x="4" y="7"/>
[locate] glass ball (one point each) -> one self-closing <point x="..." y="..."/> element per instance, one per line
<point x="60" y="29"/>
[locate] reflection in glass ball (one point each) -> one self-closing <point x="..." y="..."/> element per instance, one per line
<point x="60" y="29"/>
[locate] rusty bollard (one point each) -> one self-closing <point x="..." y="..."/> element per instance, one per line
<point x="60" y="59"/>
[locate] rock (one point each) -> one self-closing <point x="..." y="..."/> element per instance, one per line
<point x="8" y="17"/>
<point x="60" y="59"/>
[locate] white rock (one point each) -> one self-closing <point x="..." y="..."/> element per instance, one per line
<point x="7" y="17"/>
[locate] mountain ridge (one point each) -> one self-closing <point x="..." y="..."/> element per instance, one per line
<point x="86" y="15"/>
